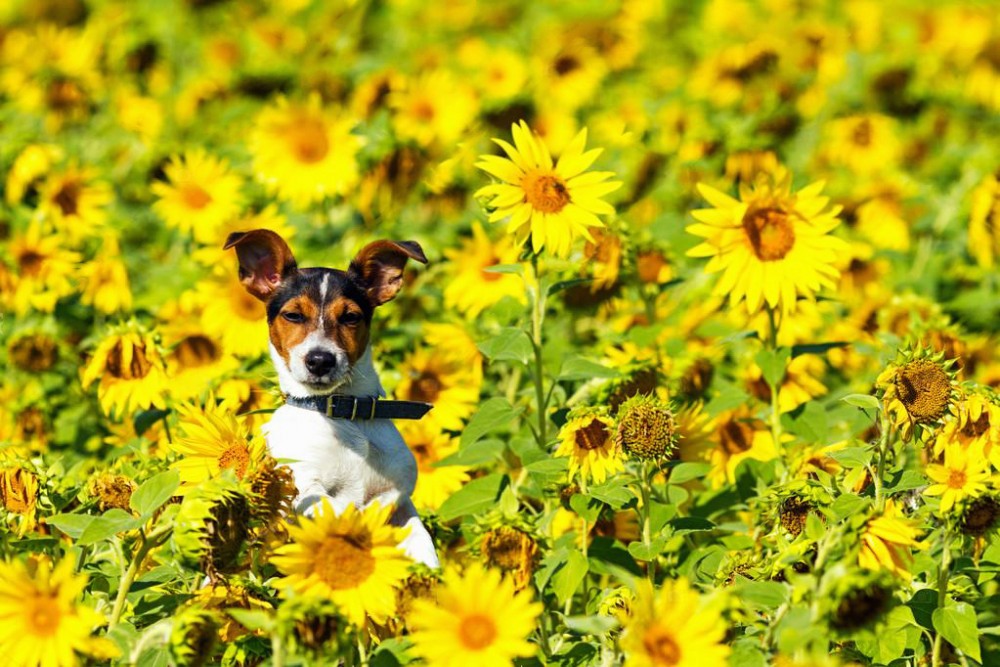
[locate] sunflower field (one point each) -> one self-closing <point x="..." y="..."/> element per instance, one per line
<point x="709" y="326"/>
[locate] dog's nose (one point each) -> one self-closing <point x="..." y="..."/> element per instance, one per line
<point x="320" y="362"/>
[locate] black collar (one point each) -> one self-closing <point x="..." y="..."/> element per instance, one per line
<point x="338" y="406"/>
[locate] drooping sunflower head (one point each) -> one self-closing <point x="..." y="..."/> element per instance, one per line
<point x="194" y="636"/>
<point x="33" y="351"/>
<point x="314" y="627"/>
<point x="645" y="428"/>
<point x="859" y="599"/>
<point x="212" y="528"/>
<point x="19" y="497"/>
<point x="918" y="389"/>
<point x="513" y="551"/>
<point x="112" y="491"/>
<point x="587" y="438"/>
<point x="981" y="516"/>
<point x="272" y="489"/>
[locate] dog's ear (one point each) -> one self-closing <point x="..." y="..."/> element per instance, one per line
<point x="265" y="260"/>
<point x="378" y="268"/>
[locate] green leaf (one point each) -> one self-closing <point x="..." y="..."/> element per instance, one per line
<point x="475" y="454"/>
<point x="492" y="414"/>
<point x="144" y="419"/>
<point x="863" y="401"/>
<point x="647" y="552"/>
<point x="587" y="508"/>
<point x="685" y="472"/>
<point x="569" y="577"/>
<point x="581" y="368"/>
<point x="108" y="525"/>
<point x="762" y="594"/>
<point x="72" y="525"/>
<point x="517" y="269"/>
<point x="849" y="504"/>
<point x="957" y="624"/>
<point x="252" y="619"/>
<point x="773" y="364"/>
<point x="154" y="492"/>
<point x="511" y="344"/>
<point x="816" y="348"/>
<point x="590" y="625"/>
<point x="690" y="524"/>
<point x="476" y="496"/>
<point x="815" y="528"/>
<point x="566" y="284"/>
<point x="812" y="423"/>
<point x="852" y="457"/>
<point x="614" y="493"/>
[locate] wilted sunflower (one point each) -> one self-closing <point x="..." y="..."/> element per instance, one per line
<point x="477" y="619"/>
<point x="130" y="369"/>
<point x="771" y="245"/>
<point x="918" y="390"/>
<point x="645" y="428"/>
<point x="353" y="559"/>
<point x="588" y="439"/>
<point x="552" y="203"/>
<point x="673" y="626"/>
<point x="111" y="491"/>
<point x="19" y="496"/>
<point x="214" y="440"/>
<point x="513" y="551"/>
<point x="194" y="635"/>
<point x="887" y="540"/>
<point x="302" y="153"/>
<point x="963" y="474"/>
<point x="43" y="623"/>
<point x="199" y="195"/>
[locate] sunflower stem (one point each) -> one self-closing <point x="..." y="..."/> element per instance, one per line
<point x="772" y="344"/>
<point x="883" y="442"/>
<point x="537" y="318"/>
<point x="277" y="651"/>
<point x="944" y="574"/>
<point x="647" y="521"/>
<point x="145" y="546"/>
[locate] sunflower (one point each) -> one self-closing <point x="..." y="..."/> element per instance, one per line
<point x="429" y="445"/>
<point x="976" y="428"/>
<point x="302" y="153"/>
<point x="44" y="271"/>
<point x="799" y="385"/>
<point x="353" y="559"/>
<point x="42" y="622"/>
<point x="962" y="475"/>
<point x="771" y="246"/>
<point x="199" y="195"/>
<point x="551" y="204"/>
<point x="566" y="70"/>
<point x="918" y="390"/>
<point x="645" y="428"/>
<point x="738" y="437"/>
<point x="130" y="369"/>
<point x="28" y="168"/>
<point x="195" y="359"/>
<point x="214" y="256"/>
<point x="214" y="440"/>
<point x="588" y="439"/>
<point x="232" y="315"/>
<point x="674" y="627"/>
<point x="243" y="397"/>
<point x="433" y="108"/>
<point x="984" y="222"/>
<point x="498" y="73"/>
<point x="864" y="143"/>
<point x="886" y="542"/>
<point x="477" y="619"/>
<point x="104" y="280"/>
<point x="75" y="203"/>
<point x="19" y="496"/>
<point x="471" y="288"/>
<point x="437" y="376"/>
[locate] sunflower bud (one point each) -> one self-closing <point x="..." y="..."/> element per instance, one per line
<point x="646" y="428"/>
<point x="212" y="527"/>
<point x="793" y="514"/>
<point x="272" y="489"/>
<point x="312" y="626"/>
<point x="193" y="637"/>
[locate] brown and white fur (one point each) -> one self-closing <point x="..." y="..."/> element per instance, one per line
<point x="319" y="323"/>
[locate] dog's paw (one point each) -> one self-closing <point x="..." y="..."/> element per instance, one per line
<point x="419" y="546"/>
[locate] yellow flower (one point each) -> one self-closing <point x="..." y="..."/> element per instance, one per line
<point x="553" y="204"/>
<point x="799" y="385"/>
<point x="673" y="627"/>
<point x="75" y="203"/>
<point x="130" y="370"/>
<point x="886" y="542"/>
<point x="433" y="108"/>
<point x="214" y="440"/>
<point x="738" y="437"/>
<point x="199" y="196"/>
<point x="232" y="315"/>
<point x="588" y="439"/>
<point x="770" y="245"/>
<point x="566" y="70"/>
<point x="196" y="359"/>
<point x="242" y="396"/>
<point x="31" y="164"/>
<point x="302" y="153"/>
<point x="976" y="429"/>
<point x="41" y="620"/>
<point x="984" y="222"/>
<point x="471" y="288"/>
<point x="19" y="495"/>
<point x="429" y="445"/>
<point x="498" y="73"/>
<point x="918" y="390"/>
<point x="477" y="619"/>
<point x="963" y="475"/>
<point x="353" y="559"/>
<point x="44" y="271"/>
<point x="864" y="144"/>
<point x="438" y="377"/>
<point x="104" y="279"/>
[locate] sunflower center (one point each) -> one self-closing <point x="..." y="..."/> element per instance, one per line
<point x="245" y="305"/>
<point x="34" y="353"/>
<point x="957" y="479"/>
<point x="736" y="437"/>
<point x="138" y="366"/>
<point x="661" y="646"/>
<point x="308" y="140"/>
<point x="974" y="429"/>
<point x="30" y="263"/>
<point x="545" y="191"/>
<point x="68" y="198"/>
<point x="426" y="387"/>
<point x="491" y="276"/>
<point x="195" y="351"/>
<point x="477" y="631"/>
<point x="44" y="615"/>
<point x="424" y="111"/>
<point x="862" y="134"/>
<point x="592" y="436"/>
<point x="344" y="561"/>
<point x="924" y="390"/>
<point x="195" y="196"/>
<point x="235" y="457"/>
<point x="770" y="233"/>
<point x="565" y="64"/>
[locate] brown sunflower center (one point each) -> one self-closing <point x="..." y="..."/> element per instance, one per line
<point x="566" y="64"/>
<point x="981" y="516"/>
<point x="477" y="631"/>
<point x="30" y="263"/>
<point x="68" y="198"/>
<point x="195" y="351"/>
<point x="491" y="276"/>
<point x="138" y="366"/>
<point x="735" y="437"/>
<point x="14" y="493"/>
<point x="924" y="390"/>
<point x="862" y="133"/>
<point x="424" y="111"/>
<point x="245" y="305"/>
<point x="344" y="561"/>
<point x="308" y="140"/>
<point x="957" y="479"/>
<point x="545" y="191"/>
<point x="44" y="615"/>
<point x="34" y="353"/>
<point x="194" y="196"/>
<point x="236" y="457"/>
<point x="592" y="436"/>
<point x="661" y="646"/>
<point x="426" y="387"/>
<point x="769" y="232"/>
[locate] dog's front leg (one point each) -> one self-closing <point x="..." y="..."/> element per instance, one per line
<point x="418" y="545"/>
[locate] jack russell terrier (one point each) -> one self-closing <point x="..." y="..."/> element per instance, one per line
<point x="333" y="427"/>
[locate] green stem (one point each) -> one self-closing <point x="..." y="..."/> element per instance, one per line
<point x="772" y="344"/>
<point x="883" y="442"/>
<point x="537" y="318"/>
<point x="943" y="575"/>
<point x="277" y="651"/>
<point x="647" y="521"/>
<point x="128" y="578"/>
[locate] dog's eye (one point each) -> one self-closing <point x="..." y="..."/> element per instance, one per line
<point x="350" y="318"/>
<point x="292" y="316"/>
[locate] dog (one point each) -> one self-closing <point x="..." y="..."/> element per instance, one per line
<point x="333" y="427"/>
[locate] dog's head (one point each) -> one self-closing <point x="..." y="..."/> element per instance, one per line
<point x="319" y="319"/>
